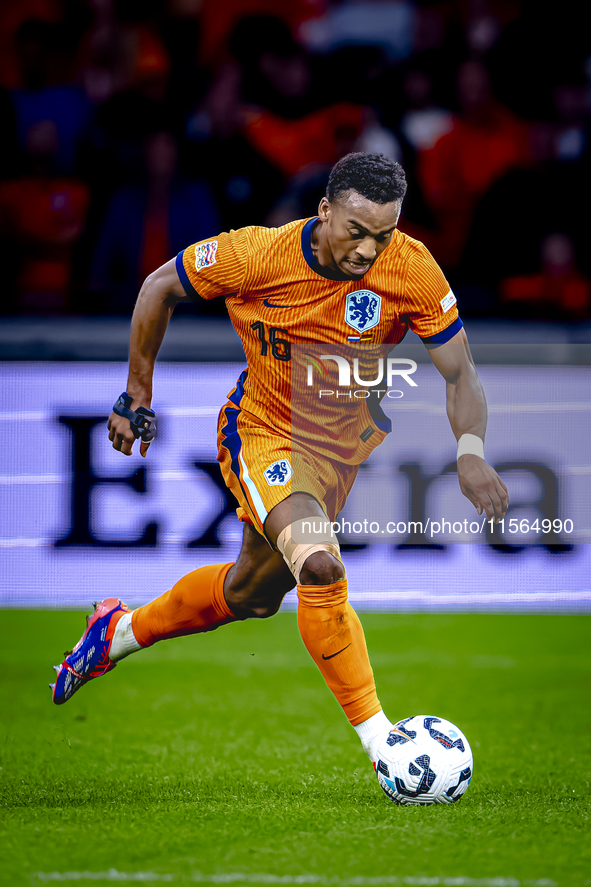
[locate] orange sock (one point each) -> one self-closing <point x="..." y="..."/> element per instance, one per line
<point x="332" y="633"/>
<point x="196" y="603"/>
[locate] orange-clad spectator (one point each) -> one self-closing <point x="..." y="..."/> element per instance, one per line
<point x="318" y="137"/>
<point x="44" y="216"/>
<point x="265" y="100"/>
<point x="117" y="55"/>
<point x="486" y="141"/>
<point x="558" y="292"/>
<point x="280" y="117"/>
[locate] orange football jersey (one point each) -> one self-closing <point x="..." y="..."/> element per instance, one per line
<point x="291" y="316"/>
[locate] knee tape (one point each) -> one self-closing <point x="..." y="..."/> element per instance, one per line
<point x="304" y="537"/>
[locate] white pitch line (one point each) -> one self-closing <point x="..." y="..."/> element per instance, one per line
<point x="111" y="875"/>
<point x="265" y="878"/>
<point x="413" y="596"/>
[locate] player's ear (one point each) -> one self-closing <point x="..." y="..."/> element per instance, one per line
<point x="323" y="209"/>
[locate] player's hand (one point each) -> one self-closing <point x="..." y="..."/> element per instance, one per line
<point x="122" y="437"/>
<point x="482" y="486"/>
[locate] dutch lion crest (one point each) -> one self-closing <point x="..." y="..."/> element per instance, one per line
<point x="363" y="310"/>
<point x="278" y="473"/>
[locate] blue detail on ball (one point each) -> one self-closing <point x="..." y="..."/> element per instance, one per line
<point x="395" y="738"/>
<point x="427" y="779"/>
<point x="444" y="740"/>
<point x="414" y="771"/>
<point x="383" y="768"/>
<point x="400" y="726"/>
<point x="465" y="776"/>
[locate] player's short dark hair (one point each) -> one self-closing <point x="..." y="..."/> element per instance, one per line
<point x="374" y="176"/>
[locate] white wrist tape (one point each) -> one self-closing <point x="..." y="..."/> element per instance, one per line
<point x="470" y="444"/>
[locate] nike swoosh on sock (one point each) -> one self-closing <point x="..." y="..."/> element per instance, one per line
<point x="332" y="655"/>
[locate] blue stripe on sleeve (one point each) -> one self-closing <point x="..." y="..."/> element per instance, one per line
<point x="445" y="335"/>
<point x="184" y="278"/>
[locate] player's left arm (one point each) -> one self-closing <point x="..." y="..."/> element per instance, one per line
<point x="467" y="413"/>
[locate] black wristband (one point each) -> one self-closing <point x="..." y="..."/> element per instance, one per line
<point x="142" y="420"/>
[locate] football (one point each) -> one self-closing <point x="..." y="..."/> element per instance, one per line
<point x="424" y="760"/>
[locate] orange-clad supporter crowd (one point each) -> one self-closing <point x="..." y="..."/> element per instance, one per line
<point x="133" y="128"/>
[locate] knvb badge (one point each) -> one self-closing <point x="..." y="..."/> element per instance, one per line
<point x="363" y="310"/>
<point x="278" y="473"/>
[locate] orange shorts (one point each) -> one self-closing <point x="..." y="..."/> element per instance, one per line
<point x="262" y="468"/>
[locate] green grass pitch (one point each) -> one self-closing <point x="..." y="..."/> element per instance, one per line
<point x="224" y="759"/>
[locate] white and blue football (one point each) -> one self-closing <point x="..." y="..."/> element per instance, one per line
<point x="424" y="760"/>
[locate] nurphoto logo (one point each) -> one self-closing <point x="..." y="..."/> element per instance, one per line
<point x="386" y="370"/>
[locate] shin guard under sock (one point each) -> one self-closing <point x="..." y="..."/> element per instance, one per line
<point x="196" y="603"/>
<point x="332" y="633"/>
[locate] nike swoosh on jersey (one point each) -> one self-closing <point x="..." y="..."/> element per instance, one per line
<point x="332" y="655"/>
<point x="270" y="305"/>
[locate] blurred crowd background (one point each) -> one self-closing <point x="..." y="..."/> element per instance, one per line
<point x="132" y="128"/>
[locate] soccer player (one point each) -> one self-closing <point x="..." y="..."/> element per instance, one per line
<point x="347" y="274"/>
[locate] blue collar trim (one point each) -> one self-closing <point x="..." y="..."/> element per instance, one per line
<point x="309" y="255"/>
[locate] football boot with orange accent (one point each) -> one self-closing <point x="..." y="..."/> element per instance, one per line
<point x="90" y="657"/>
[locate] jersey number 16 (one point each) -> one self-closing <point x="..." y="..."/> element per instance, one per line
<point x="280" y="348"/>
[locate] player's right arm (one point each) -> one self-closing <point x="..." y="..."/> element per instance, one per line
<point x="207" y="270"/>
<point x="158" y="296"/>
